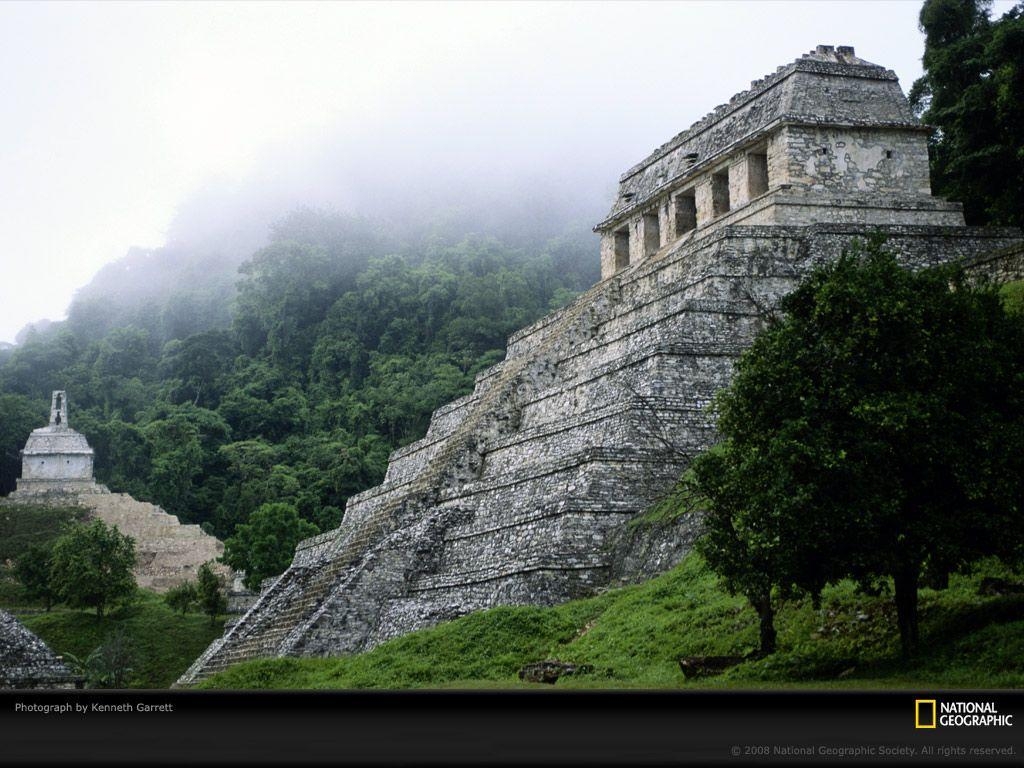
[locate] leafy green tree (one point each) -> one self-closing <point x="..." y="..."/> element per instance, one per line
<point x="19" y="415"/>
<point x="182" y="597"/>
<point x="177" y="461"/>
<point x="972" y="90"/>
<point x="91" y="566"/>
<point x="877" y="431"/>
<point x="198" y="364"/>
<point x="32" y="569"/>
<point x="125" y="352"/>
<point x="41" y="359"/>
<point x="209" y="594"/>
<point x="264" y="546"/>
<point x="123" y="459"/>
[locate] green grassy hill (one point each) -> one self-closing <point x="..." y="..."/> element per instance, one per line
<point x="634" y="636"/>
<point x="164" y="643"/>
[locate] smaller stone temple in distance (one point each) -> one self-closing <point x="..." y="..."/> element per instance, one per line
<point x="56" y="459"/>
<point x="57" y="470"/>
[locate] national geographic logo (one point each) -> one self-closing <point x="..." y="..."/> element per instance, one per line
<point x="932" y="713"/>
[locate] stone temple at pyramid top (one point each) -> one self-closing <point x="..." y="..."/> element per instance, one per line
<point x="57" y="459"/>
<point x="829" y="138"/>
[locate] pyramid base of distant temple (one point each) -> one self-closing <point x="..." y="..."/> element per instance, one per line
<point x="167" y="553"/>
<point x="54" y="492"/>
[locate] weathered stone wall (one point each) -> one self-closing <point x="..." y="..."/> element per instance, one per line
<point x="167" y="552"/>
<point x="789" y="206"/>
<point x="876" y="160"/>
<point x="26" y="662"/>
<point x="57" y="466"/>
<point x="519" y="492"/>
<point x="1002" y="266"/>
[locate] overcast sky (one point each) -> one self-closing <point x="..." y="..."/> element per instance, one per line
<point x="116" y="117"/>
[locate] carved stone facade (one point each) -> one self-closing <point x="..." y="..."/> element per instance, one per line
<point x="519" y="493"/>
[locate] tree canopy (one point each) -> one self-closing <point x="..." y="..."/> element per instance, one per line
<point x="876" y="431"/>
<point x="339" y="344"/>
<point x="91" y="566"/>
<point x="264" y="546"/>
<point x="208" y="593"/>
<point x="972" y="91"/>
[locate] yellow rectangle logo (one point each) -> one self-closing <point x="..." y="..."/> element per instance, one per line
<point x="924" y="713"/>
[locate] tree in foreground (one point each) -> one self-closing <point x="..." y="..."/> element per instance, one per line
<point x="208" y="593"/>
<point x="91" y="566"/>
<point x="876" y="431"/>
<point x="264" y="546"/>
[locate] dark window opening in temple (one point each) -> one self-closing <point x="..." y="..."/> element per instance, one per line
<point x="757" y="174"/>
<point x="622" y="248"/>
<point x="652" y="233"/>
<point x="720" y="193"/>
<point x="686" y="212"/>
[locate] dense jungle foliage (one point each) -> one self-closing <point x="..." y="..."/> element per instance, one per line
<point x="972" y="92"/>
<point x="336" y="346"/>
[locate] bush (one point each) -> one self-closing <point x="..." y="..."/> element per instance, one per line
<point x="264" y="546"/>
<point x="91" y="567"/>
<point x="33" y="571"/>
<point x="182" y="598"/>
<point x="110" y="665"/>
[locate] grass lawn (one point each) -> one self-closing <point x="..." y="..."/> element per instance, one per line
<point x="633" y="637"/>
<point x="165" y="643"/>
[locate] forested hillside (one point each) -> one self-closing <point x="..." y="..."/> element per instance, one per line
<point x="338" y="342"/>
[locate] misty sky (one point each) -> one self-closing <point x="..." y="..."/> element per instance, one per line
<point x="127" y="124"/>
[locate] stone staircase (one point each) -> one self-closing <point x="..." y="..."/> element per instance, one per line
<point x="376" y="574"/>
<point x="321" y="566"/>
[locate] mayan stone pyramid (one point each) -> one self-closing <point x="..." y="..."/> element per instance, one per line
<point x="520" y="492"/>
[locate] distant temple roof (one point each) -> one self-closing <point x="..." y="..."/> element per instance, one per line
<point x="56" y="460"/>
<point x="57" y="436"/>
<point x="26" y="661"/>
<point x="46" y="440"/>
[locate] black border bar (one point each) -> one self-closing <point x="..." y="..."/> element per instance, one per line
<point x="544" y="727"/>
